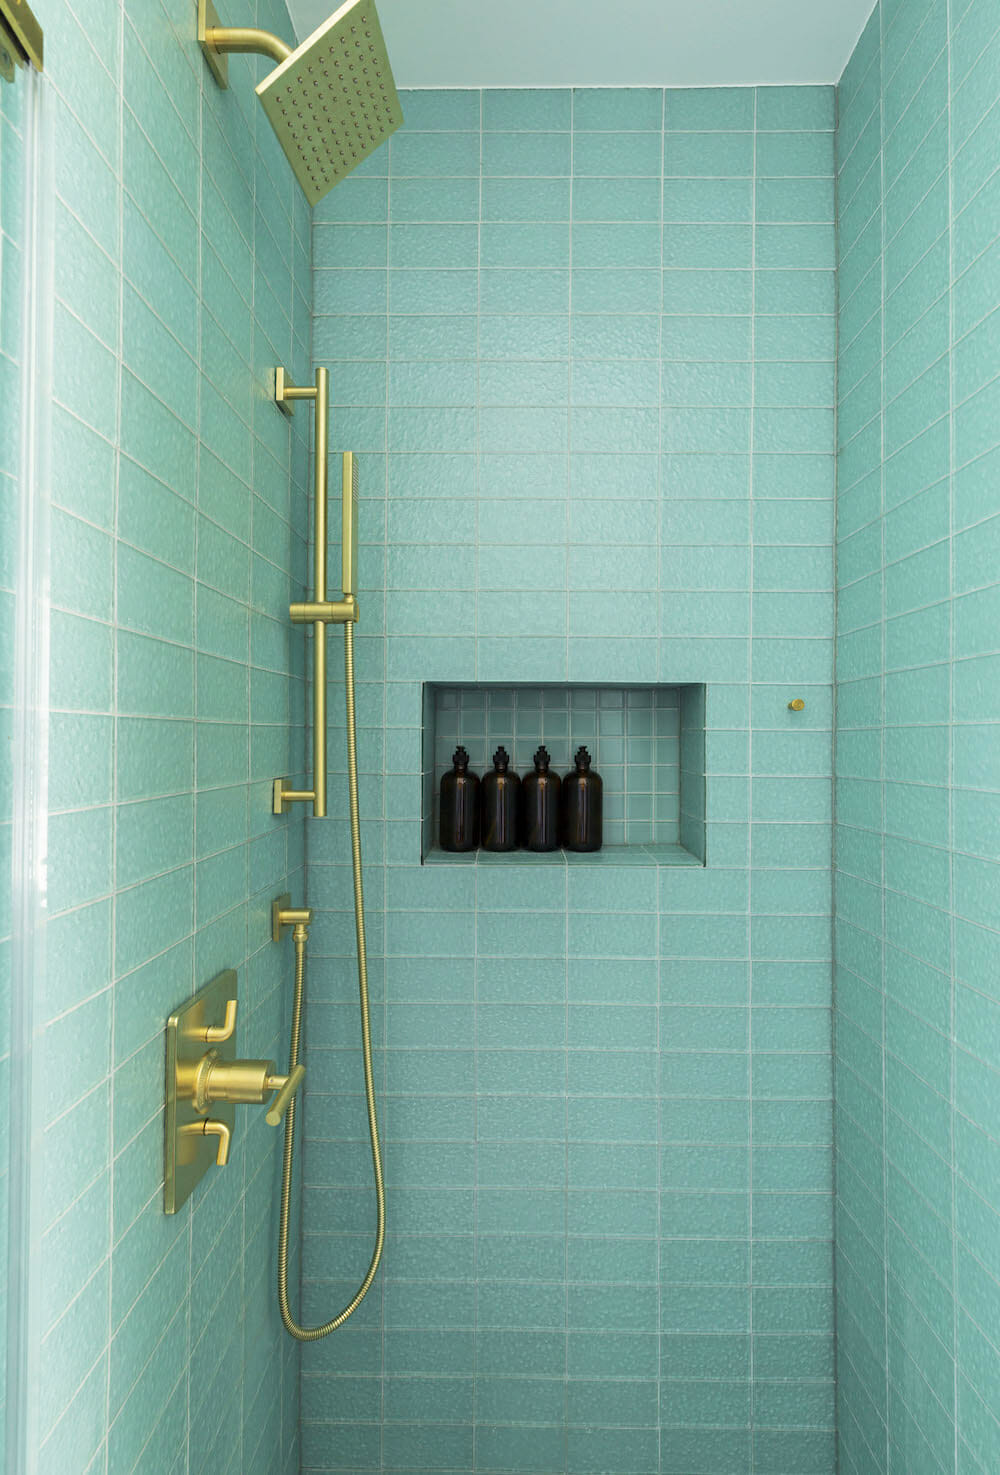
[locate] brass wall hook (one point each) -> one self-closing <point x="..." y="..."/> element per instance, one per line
<point x="217" y="1034"/>
<point x="797" y="705"/>
<point x="212" y="1129"/>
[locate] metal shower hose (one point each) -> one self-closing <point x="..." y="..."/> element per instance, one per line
<point x="301" y="933"/>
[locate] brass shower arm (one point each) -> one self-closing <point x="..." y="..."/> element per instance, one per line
<point x="218" y="41"/>
<point x="247" y="39"/>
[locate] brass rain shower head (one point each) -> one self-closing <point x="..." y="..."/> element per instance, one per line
<point x="332" y="101"/>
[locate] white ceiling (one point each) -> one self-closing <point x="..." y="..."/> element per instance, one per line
<point x="639" y="43"/>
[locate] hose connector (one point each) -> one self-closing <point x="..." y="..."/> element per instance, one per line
<point x="284" y="915"/>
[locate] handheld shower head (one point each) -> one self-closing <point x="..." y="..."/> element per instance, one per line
<point x="331" y="102"/>
<point x="349" y="525"/>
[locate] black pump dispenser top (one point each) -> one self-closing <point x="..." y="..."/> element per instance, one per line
<point x="542" y="759"/>
<point x="501" y="760"/>
<point x="582" y="760"/>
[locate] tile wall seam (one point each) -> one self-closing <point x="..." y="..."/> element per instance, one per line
<point x="834" y="729"/>
<point x="256" y="406"/>
<point x="566" y="1054"/>
<point x="567" y="516"/>
<point x="477" y="513"/>
<point x="659" y="917"/>
<point x="750" y="779"/>
<point x="115" y="514"/>
<point x="952" y="938"/>
<point x="384" y="827"/>
<point x="882" y="736"/>
<point x="195" y="544"/>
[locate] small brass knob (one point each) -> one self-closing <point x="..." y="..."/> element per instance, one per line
<point x="797" y="705"/>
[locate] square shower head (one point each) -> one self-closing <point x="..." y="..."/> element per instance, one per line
<point x="333" y="101"/>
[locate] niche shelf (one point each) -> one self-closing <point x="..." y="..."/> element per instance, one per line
<point x="647" y="743"/>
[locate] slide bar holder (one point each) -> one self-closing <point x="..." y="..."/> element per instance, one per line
<point x="285" y="393"/>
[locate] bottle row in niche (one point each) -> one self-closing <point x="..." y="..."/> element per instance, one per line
<point x="503" y="812"/>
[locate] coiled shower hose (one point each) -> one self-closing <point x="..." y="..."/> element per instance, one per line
<point x="300" y="935"/>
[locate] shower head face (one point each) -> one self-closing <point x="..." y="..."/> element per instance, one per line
<point x="333" y="101"/>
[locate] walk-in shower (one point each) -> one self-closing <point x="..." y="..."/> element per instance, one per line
<point x="686" y="1155"/>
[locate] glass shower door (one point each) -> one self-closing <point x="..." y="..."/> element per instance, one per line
<point x="25" y="338"/>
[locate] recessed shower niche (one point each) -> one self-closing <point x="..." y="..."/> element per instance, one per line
<point x="647" y="743"/>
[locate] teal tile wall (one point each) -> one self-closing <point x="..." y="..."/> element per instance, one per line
<point x="584" y="345"/>
<point x="918" y="882"/>
<point x="12" y="158"/>
<point x="182" y="276"/>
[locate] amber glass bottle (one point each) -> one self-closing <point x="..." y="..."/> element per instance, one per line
<point x="500" y="793"/>
<point x="540" y="806"/>
<point x="582" y="821"/>
<point x="459" y="828"/>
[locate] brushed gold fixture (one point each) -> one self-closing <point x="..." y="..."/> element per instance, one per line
<point x="349" y="525"/>
<point x="331" y="102"/>
<point x="320" y="611"/>
<point x="284" y="915"/>
<point x="215" y="1034"/>
<point x="239" y="1083"/>
<point x="797" y="705"/>
<point x="285" y="394"/>
<point x="281" y="916"/>
<point x="217" y="41"/>
<point x="21" y="38"/>
<point x="329" y="612"/>
<point x="203" y="1085"/>
<point x="222" y="1130"/>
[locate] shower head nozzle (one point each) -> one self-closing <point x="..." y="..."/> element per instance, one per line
<point x="332" y="101"/>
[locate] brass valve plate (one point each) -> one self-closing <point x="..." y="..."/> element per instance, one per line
<point x="187" y="1156"/>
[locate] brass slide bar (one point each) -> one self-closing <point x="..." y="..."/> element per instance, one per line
<point x="285" y="393"/>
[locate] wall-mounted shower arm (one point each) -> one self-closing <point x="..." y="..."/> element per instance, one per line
<point x="218" y="41"/>
<point x="247" y="39"/>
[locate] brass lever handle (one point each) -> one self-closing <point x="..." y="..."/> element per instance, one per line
<point x="286" y="1087"/>
<point x="212" y="1129"/>
<point x="215" y="1034"/>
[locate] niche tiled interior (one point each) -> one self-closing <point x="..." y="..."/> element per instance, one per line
<point x="647" y="743"/>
